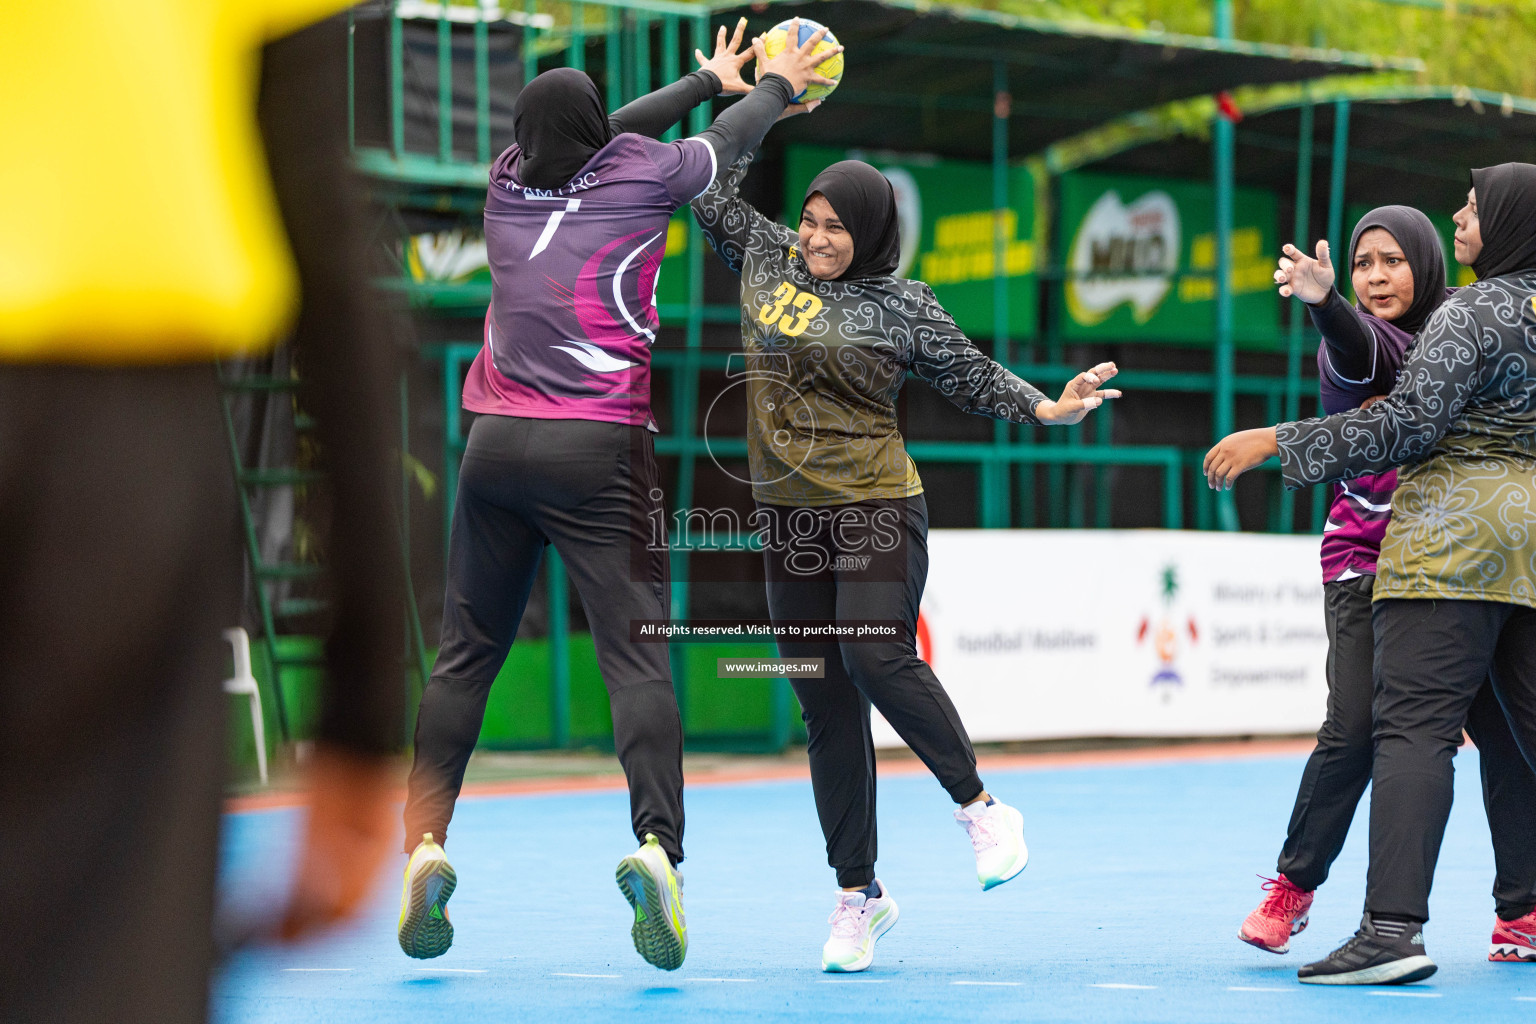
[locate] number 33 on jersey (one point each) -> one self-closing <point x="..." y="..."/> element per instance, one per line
<point x="792" y="309"/>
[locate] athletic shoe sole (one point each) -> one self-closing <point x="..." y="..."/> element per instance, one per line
<point x="1509" y="953"/>
<point x="425" y="932"/>
<point x="876" y="930"/>
<point x="1297" y="927"/>
<point x="652" y="931"/>
<point x="1398" y="972"/>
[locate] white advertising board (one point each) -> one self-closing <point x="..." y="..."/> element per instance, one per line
<point x="1039" y="634"/>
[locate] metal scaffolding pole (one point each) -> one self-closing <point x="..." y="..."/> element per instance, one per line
<point x="1302" y="240"/>
<point x="1337" y="173"/>
<point x="994" y="472"/>
<point x="1222" y="362"/>
<point x="685" y="405"/>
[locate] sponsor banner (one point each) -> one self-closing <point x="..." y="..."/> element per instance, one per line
<point x="947" y="230"/>
<point x="1140" y="254"/>
<point x="1040" y="634"/>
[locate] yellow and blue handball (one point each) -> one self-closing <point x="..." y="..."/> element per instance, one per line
<point x="776" y="38"/>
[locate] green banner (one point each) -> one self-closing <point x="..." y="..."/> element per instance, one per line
<point x="1139" y="256"/>
<point x="947" y="231"/>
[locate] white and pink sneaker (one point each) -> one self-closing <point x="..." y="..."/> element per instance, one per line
<point x="997" y="836"/>
<point x="857" y="921"/>
<point x="1283" y="913"/>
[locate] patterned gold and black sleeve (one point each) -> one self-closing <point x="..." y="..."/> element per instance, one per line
<point x="939" y="353"/>
<point x="1445" y="369"/>
<point x="731" y="225"/>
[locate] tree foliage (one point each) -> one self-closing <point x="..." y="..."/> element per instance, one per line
<point x="1486" y="44"/>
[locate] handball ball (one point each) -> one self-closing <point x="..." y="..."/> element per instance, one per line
<point x="778" y="37"/>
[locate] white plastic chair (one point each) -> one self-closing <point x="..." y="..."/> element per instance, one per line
<point x="243" y="682"/>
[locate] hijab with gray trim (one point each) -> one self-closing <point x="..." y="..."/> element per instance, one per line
<point x="863" y="200"/>
<point x="1506" y="208"/>
<point x="1421" y="246"/>
<point x="559" y="124"/>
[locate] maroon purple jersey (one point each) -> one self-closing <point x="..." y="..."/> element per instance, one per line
<point x="573" y="299"/>
<point x="1357" y="519"/>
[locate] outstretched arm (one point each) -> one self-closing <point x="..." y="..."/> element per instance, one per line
<point x="349" y="358"/>
<point x="1351" y="356"/>
<point x="652" y="114"/>
<point x="731" y="225"/>
<point x="1444" y="370"/>
<point x="941" y="355"/>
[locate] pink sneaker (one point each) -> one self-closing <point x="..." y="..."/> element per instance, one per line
<point x="1282" y="914"/>
<point x="1514" y="941"/>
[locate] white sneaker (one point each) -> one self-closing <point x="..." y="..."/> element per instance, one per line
<point x="857" y="922"/>
<point x="997" y="836"/>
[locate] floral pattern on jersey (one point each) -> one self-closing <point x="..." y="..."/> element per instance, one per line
<point x="1462" y="424"/>
<point x="825" y="361"/>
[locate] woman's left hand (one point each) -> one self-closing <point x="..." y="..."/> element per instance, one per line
<point x="727" y="63"/>
<point x="1236" y="454"/>
<point x="1080" y="397"/>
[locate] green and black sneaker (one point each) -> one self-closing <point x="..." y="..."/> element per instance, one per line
<point x="425" y="931"/>
<point x="655" y="889"/>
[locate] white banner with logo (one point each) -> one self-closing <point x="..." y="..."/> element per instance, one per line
<point x="1058" y="633"/>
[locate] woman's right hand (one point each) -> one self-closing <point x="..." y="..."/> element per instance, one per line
<point x="1310" y="280"/>
<point x="795" y="63"/>
<point x="727" y="62"/>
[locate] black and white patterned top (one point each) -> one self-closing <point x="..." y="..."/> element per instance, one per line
<point x="1462" y="424"/>
<point x="826" y="359"/>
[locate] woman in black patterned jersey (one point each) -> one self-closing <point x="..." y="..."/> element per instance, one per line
<point x="1455" y="594"/>
<point x="830" y="335"/>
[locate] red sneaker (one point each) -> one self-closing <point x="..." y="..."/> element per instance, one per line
<point x="1514" y="941"/>
<point x="1282" y="914"/>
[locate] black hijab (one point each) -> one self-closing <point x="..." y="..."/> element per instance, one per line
<point x="558" y="122"/>
<point x="1506" y="206"/>
<point x="1420" y="243"/>
<point x="863" y="200"/>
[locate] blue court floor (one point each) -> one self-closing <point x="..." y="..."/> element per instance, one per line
<point x="1128" y="911"/>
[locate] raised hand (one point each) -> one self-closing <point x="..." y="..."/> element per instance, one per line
<point x="1300" y="275"/>
<point x="1080" y="397"/>
<point x="727" y="62"/>
<point x="795" y="63"/>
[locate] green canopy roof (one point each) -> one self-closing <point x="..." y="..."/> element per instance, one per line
<point x="920" y="77"/>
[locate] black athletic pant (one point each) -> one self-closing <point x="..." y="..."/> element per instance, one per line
<point x="1431" y="659"/>
<point x="814" y="571"/>
<point x="119" y="567"/>
<point x="1340" y="766"/>
<point x="592" y="490"/>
